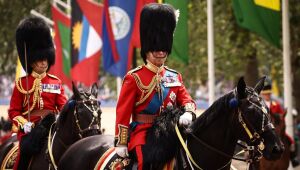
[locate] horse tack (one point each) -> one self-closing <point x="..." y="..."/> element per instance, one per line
<point x="10" y="158"/>
<point x="254" y="137"/>
<point x="81" y="132"/>
<point x="110" y="160"/>
<point x="94" y="111"/>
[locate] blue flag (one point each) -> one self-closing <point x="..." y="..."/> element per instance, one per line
<point x="117" y="31"/>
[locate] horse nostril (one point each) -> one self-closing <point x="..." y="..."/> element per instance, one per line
<point x="277" y="149"/>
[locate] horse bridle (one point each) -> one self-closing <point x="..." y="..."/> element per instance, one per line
<point x="256" y="141"/>
<point x="95" y="111"/>
<point x="254" y="136"/>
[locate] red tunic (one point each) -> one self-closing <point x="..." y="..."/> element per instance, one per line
<point x="275" y="108"/>
<point x="52" y="96"/>
<point x="132" y="92"/>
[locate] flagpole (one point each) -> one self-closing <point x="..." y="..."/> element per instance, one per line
<point x="287" y="68"/>
<point x="211" y="67"/>
<point x="35" y="13"/>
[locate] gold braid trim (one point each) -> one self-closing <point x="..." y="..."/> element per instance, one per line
<point x="154" y="84"/>
<point x="20" y="121"/>
<point x="36" y="90"/>
<point x="122" y="136"/>
<point x="145" y="89"/>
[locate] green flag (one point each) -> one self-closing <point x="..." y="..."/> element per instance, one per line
<point x="180" y="43"/>
<point x="66" y="46"/>
<point x="260" y="16"/>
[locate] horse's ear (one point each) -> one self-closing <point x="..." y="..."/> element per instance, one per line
<point x="94" y="90"/>
<point x="75" y="91"/>
<point x="241" y="89"/>
<point x="260" y="85"/>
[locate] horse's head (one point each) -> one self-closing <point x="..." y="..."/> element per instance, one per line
<point x="87" y="112"/>
<point x="82" y="114"/>
<point x="254" y="117"/>
<point x="279" y="123"/>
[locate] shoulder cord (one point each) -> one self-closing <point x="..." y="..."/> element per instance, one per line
<point x="145" y="89"/>
<point x="36" y="89"/>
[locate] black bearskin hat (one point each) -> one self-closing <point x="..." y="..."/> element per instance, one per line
<point x="157" y="25"/>
<point x="267" y="86"/>
<point x="35" y="33"/>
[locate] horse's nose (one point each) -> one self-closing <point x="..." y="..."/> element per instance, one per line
<point x="278" y="149"/>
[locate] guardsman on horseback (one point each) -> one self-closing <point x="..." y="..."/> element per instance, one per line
<point x="276" y="108"/>
<point x="149" y="88"/>
<point x="38" y="93"/>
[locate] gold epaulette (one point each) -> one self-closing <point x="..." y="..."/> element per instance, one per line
<point x="174" y="71"/>
<point x="134" y="70"/>
<point x="53" y="76"/>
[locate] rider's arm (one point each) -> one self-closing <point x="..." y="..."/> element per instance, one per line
<point x="184" y="99"/>
<point x="15" y="110"/>
<point x="125" y="106"/>
<point x="61" y="98"/>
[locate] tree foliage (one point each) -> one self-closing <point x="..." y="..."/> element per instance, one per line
<point x="11" y="12"/>
<point x="238" y="52"/>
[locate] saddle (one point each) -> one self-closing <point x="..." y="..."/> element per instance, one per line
<point x="11" y="156"/>
<point x="111" y="161"/>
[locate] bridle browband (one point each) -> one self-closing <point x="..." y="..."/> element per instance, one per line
<point x="254" y="136"/>
<point x="92" y="100"/>
<point x="93" y="110"/>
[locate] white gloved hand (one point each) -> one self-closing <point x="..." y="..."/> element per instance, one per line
<point x="186" y="119"/>
<point x="122" y="151"/>
<point x="27" y="127"/>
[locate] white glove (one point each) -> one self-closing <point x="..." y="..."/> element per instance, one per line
<point x="27" y="127"/>
<point x="186" y="119"/>
<point x="122" y="151"/>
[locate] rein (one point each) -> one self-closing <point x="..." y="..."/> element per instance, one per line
<point x="50" y="148"/>
<point x="81" y="131"/>
<point x="253" y="137"/>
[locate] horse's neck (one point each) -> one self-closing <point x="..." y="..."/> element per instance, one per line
<point x="219" y="134"/>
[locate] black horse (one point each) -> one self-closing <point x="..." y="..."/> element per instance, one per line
<point x="79" y="118"/>
<point x="209" y="142"/>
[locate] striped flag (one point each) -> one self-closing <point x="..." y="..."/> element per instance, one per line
<point x="86" y="42"/>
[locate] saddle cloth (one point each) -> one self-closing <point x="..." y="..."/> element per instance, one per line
<point x="111" y="161"/>
<point x="10" y="158"/>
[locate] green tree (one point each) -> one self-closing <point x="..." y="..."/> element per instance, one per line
<point x="11" y="12"/>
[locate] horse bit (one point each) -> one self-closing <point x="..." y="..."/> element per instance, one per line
<point x="254" y="150"/>
<point x="91" y="100"/>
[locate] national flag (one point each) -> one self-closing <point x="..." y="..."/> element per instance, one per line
<point x="86" y="41"/>
<point x="118" y="22"/>
<point x="260" y="16"/>
<point x="135" y="38"/>
<point x="180" y="49"/>
<point x="62" y="65"/>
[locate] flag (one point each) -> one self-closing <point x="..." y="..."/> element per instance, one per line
<point x="86" y="42"/>
<point x="118" y="22"/>
<point x="20" y="72"/>
<point x="180" y="48"/>
<point x="62" y="65"/>
<point x="260" y="16"/>
<point x="135" y="38"/>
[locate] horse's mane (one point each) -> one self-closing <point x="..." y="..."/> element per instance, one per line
<point x="161" y="140"/>
<point x="66" y="108"/>
<point x="220" y="106"/>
